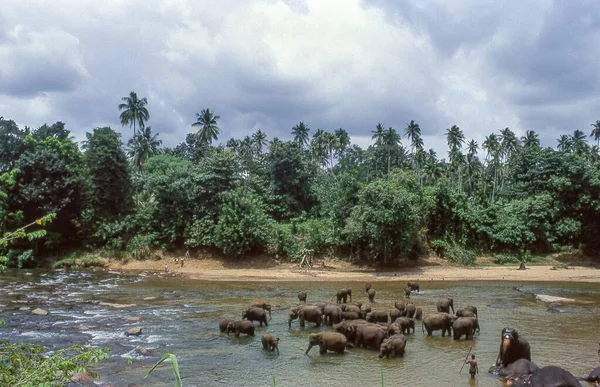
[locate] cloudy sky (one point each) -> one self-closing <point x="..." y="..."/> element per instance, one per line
<point x="268" y="64"/>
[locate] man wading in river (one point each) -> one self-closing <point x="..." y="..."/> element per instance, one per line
<point x="473" y="369"/>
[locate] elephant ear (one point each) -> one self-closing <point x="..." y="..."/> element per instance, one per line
<point x="516" y="334"/>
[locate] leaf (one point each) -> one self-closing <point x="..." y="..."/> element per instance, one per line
<point x="174" y="365"/>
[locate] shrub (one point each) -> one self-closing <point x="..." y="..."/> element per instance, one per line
<point x="75" y="262"/>
<point x="141" y="246"/>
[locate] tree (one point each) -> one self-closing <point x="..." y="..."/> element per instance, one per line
<point x="143" y="146"/>
<point x="564" y="143"/>
<point x="209" y="128"/>
<point x="391" y="140"/>
<point x="596" y="132"/>
<point x="134" y="111"/>
<point x="109" y="180"/>
<point x="300" y="133"/>
<point x="259" y="139"/>
<point x="531" y="139"/>
<point x="579" y="142"/>
<point x="11" y="144"/>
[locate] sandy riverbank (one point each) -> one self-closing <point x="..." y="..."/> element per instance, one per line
<point x="431" y="269"/>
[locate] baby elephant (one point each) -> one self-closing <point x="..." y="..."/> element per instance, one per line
<point x="243" y="326"/>
<point x="327" y="341"/>
<point x="393" y="346"/>
<point x="255" y="314"/>
<point x="270" y="343"/>
<point x="263" y="305"/>
<point x="223" y="324"/>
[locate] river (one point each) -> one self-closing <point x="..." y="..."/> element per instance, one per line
<point x="181" y="316"/>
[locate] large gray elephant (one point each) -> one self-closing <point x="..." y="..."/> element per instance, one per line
<point x="472" y="309"/>
<point x="393" y="346"/>
<point x="327" y="341"/>
<point x="350" y="308"/>
<point x="368" y="335"/>
<point x="344" y="326"/>
<point x="444" y="304"/>
<point x="516" y="368"/>
<point x="402" y="304"/>
<point x="465" y="326"/>
<point x="364" y="309"/>
<point x="410" y="310"/>
<point x="263" y="305"/>
<point x="371" y="295"/>
<point x="436" y="322"/>
<point x="405" y="324"/>
<point x="242" y="326"/>
<point x="414" y="286"/>
<point x="551" y="376"/>
<point x="419" y="314"/>
<point x="395" y="314"/>
<point x="593" y="377"/>
<point x="350" y="316"/>
<point x="305" y="312"/>
<point x="270" y="342"/>
<point x="512" y="348"/>
<point x="465" y="313"/>
<point x="377" y="316"/>
<point x="255" y="314"/>
<point x="332" y="314"/>
<point x="342" y="296"/>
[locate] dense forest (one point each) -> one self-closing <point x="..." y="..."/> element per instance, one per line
<point x="506" y="197"/>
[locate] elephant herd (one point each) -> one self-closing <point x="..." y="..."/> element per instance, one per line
<point x="358" y="325"/>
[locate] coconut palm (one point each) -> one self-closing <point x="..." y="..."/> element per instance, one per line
<point x="564" y="143"/>
<point x="143" y="146"/>
<point x="391" y="140"/>
<point x="343" y="141"/>
<point x="259" y="138"/>
<point x="579" y="142"/>
<point x="133" y="111"/>
<point x="413" y="132"/>
<point x="208" y="123"/>
<point x="378" y="134"/>
<point x="300" y="133"/>
<point x="531" y="139"/>
<point x="318" y="147"/>
<point x="596" y="132"/>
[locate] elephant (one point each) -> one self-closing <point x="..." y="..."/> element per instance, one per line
<point x="407" y="291"/>
<point x="402" y="304"/>
<point x="308" y="313"/>
<point x="350" y="316"/>
<point x="472" y="309"/>
<point x="242" y="326"/>
<point x="414" y="286"/>
<point x="263" y="305"/>
<point x="393" y="346"/>
<point x="364" y="309"/>
<point x="377" y="316"/>
<point x="270" y="342"/>
<point x="302" y="296"/>
<point x="371" y="295"/>
<point x="368" y="335"/>
<point x="517" y="368"/>
<point x="367" y="288"/>
<point x="342" y="296"/>
<point x="550" y="376"/>
<point x="419" y="314"/>
<point x="405" y="324"/>
<point x="351" y="308"/>
<point x="465" y="326"/>
<point x="512" y="348"/>
<point x="322" y="305"/>
<point x="593" y="377"/>
<point x="395" y="313"/>
<point x="411" y="309"/>
<point x="436" y="322"/>
<point x="255" y="314"/>
<point x="464" y="313"/>
<point x="444" y="304"/>
<point x="344" y="325"/>
<point x="394" y="329"/>
<point x="223" y="325"/>
<point x="327" y="341"/>
<point x="332" y="314"/>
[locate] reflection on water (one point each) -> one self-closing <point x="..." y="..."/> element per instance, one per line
<point x="181" y="316"/>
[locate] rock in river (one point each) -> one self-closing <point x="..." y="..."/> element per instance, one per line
<point x="552" y="299"/>
<point x="40" y="312"/>
<point x="133" y="332"/>
<point x="118" y="306"/>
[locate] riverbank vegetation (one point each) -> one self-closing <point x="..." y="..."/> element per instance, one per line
<point x="507" y="197"/>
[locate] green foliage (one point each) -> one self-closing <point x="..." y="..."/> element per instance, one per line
<point x="23" y="233"/>
<point x="174" y="367"/>
<point x="141" y="246"/>
<point x="289" y="239"/>
<point x="243" y="223"/>
<point x="77" y="261"/>
<point x="459" y="253"/>
<point x="28" y="365"/>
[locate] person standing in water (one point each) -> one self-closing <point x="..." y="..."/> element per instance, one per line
<point x="473" y="369"/>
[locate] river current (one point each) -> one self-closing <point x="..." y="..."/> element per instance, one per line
<point x="181" y="316"/>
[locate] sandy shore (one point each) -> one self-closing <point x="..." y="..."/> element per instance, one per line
<point x="266" y="269"/>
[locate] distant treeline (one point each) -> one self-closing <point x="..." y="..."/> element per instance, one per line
<point x="507" y="197"/>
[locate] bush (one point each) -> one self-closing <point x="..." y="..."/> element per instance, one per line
<point x="28" y="365"/>
<point x="460" y="254"/>
<point x="290" y="239"/>
<point x="503" y="259"/>
<point x="141" y="246"/>
<point x="74" y="262"/>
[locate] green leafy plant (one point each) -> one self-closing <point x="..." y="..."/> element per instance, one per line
<point x="174" y="366"/>
<point x="28" y="365"/>
<point x="22" y="233"/>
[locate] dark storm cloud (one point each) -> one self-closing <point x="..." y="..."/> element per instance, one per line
<point x="33" y="78"/>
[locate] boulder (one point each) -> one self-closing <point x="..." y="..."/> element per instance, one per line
<point x="149" y="298"/>
<point x="83" y="378"/>
<point x="40" y="312"/>
<point x="553" y="299"/>
<point x="133" y="332"/>
<point x="144" y="351"/>
<point x="131" y="319"/>
<point x="118" y="306"/>
<point x="24" y="308"/>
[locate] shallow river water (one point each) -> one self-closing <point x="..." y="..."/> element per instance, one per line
<point x="183" y="319"/>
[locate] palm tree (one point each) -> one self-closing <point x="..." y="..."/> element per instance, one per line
<point x="564" y="143"/>
<point x="472" y="148"/>
<point x="579" y="142"/>
<point x="209" y="128"/>
<point x="413" y="132"/>
<point x="596" y="132"/>
<point x="531" y="139"/>
<point x="143" y="146"/>
<point x="343" y="141"/>
<point x="455" y="138"/>
<point x="133" y="111"/>
<point x="300" y="133"/>
<point x="260" y="139"/>
<point x="391" y="139"/>
<point x="318" y="147"/>
<point x="330" y="143"/>
<point x="493" y="148"/>
<point x="378" y="134"/>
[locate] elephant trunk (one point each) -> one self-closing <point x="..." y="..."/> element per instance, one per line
<point x="307" y="349"/>
<point x="504" y="348"/>
<point x="290" y="322"/>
